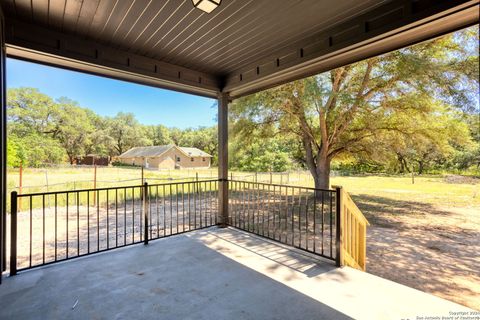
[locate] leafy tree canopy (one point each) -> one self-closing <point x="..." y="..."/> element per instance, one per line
<point x="42" y="130"/>
<point x="383" y="103"/>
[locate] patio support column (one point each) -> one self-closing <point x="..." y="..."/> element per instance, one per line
<point x="223" y="100"/>
<point x="3" y="149"/>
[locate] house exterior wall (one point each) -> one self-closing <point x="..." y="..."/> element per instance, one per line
<point x="131" y="161"/>
<point x="165" y="161"/>
<point x="168" y="160"/>
<point x="186" y="162"/>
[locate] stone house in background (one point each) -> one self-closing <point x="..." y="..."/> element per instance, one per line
<point x="166" y="157"/>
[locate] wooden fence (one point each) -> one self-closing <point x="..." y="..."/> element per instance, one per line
<point x="353" y="233"/>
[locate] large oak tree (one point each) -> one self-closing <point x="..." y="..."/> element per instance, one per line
<point x="349" y="109"/>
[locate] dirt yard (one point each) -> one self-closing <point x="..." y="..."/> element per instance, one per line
<point x="424" y="235"/>
<point x="58" y="235"/>
<point x="433" y="247"/>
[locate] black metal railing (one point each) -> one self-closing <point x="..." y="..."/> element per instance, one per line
<point x="56" y="226"/>
<point x="301" y="217"/>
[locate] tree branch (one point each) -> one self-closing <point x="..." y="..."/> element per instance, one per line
<point x="359" y="98"/>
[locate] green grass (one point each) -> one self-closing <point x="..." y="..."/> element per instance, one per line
<point x="75" y="178"/>
<point x="79" y="178"/>
<point x="431" y="190"/>
<point x="435" y="190"/>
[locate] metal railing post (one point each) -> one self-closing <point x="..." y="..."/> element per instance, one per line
<point x="13" y="233"/>
<point x="338" y="228"/>
<point x="145" y="212"/>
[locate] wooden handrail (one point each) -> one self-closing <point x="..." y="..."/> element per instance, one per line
<point x="353" y="232"/>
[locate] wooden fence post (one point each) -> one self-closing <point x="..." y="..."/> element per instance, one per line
<point x="20" y="185"/>
<point x="46" y="181"/>
<point x="94" y="183"/>
<point x="362" y="247"/>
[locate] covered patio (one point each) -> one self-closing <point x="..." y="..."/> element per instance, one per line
<point x="211" y="274"/>
<point x="259" y="250"/>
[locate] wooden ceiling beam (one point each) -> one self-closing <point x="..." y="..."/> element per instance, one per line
<point x="41" y="45"/>
<point x="390" y="26"/>
<point x="394" y="25"/>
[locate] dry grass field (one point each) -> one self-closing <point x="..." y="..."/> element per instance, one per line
<point x="425" y="235"/>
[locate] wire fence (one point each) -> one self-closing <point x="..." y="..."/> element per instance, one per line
<point x="66" y="177"/>
<point x="54" y="178"/>
<point x="297" y="177"/>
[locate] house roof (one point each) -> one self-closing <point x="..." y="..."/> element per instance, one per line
<point x="194" y="152"/>
<point x="151" y="151"/>
<point x="155" y="151"/>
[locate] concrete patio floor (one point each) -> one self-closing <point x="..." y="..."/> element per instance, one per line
<point x="210" y="274"/>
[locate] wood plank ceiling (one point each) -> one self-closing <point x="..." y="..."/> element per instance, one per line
<point x="224" y="45"/>
<point x="174" y="31"/>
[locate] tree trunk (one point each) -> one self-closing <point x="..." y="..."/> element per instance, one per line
<point x="321" y="175"/>
<point x="420" y="167"/>
<point x="401" y="162"/>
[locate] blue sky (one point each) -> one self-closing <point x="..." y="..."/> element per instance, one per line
<point x="107" y="97"/>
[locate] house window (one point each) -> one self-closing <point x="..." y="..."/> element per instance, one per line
<point x="191" y="159"/>
<point x="203" y="159"/>
<point x="178" y="159"/>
